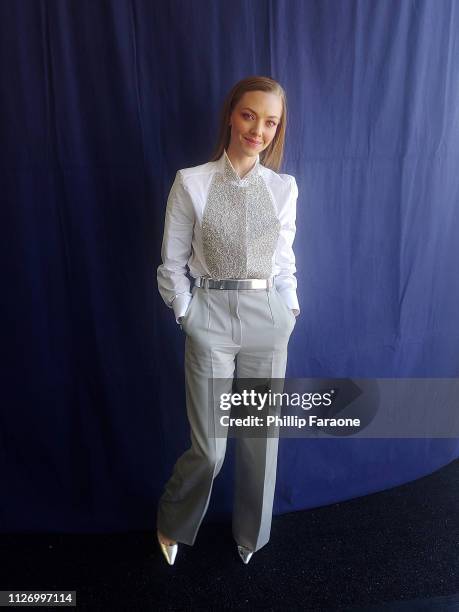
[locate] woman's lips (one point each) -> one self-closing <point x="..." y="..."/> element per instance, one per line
<point x="251" y="142"/>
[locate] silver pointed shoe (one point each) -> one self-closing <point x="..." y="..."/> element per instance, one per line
<point x="244" y="553"/>
<point x="170" y="552"/>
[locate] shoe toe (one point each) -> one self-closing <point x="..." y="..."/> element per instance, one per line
<point x="244" y="553"/>
<point x="169" y="551"/>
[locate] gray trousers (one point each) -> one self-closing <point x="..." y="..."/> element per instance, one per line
<point x="228" y="332"/>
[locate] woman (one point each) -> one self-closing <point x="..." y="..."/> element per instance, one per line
<point x="232" y="221"/>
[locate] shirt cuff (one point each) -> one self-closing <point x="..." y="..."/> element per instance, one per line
<point x="290" y="298"/>
<point x="180" y="305"/>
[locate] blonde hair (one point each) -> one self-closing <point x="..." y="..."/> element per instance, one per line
<point x="272" y="156"/>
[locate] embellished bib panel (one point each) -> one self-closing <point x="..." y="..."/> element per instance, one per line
<point x="240" y="227"/>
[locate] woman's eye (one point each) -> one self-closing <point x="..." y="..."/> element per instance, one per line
<point x="248" y="116"/>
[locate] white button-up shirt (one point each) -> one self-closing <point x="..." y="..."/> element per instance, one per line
<point x="183" y="237"/>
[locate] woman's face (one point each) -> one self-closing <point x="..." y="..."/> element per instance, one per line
<point x="255" y="118"/>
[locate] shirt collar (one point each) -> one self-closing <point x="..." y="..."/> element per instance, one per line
<point x="230" y="174"/>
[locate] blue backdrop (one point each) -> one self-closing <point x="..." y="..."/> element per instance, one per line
<point x="101" y="103"/>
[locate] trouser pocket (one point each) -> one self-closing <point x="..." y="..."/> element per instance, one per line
<point x="284" y="305"/>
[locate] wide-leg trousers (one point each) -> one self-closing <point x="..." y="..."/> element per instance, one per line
<point x="228" y="332"/>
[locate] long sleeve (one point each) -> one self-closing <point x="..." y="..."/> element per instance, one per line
<point x="173" y="284"/>
<point x="285" y="281"/>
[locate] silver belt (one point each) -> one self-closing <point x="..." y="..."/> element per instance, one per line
<point x="234" y="283"/>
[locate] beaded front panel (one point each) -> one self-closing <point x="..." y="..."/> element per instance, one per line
<point x="240" y="228"/>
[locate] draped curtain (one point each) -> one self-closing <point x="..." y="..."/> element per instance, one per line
<point x="102" y="102"/>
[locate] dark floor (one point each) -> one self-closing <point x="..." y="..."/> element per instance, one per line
<point x="395" y="550"/>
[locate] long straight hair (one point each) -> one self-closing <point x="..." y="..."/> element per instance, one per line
<point x="272" y="156"/>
